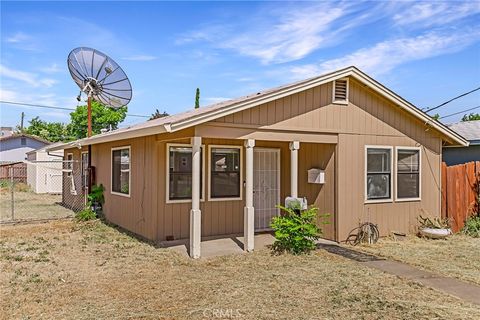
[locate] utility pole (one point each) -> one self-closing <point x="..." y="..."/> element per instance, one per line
<point x="21" y="122"/>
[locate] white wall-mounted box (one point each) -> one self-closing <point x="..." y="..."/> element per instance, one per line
<point x="316" y="176"/>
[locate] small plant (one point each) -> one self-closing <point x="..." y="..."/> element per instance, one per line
<point x="433" y="223"/>
<point x="96" y="198"/>
<point x="295" y="232"/>
<point x="86" y="214"/>
<point x="472" y="227"/>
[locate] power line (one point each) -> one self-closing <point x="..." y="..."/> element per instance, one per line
<point x="457" y="97"/>
<point x="459" y="112"/>
<point x="57" y="108"/>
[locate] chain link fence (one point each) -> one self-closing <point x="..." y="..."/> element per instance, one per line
<point x="41" y="190"/>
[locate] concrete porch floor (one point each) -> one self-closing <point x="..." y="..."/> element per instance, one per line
<point x="228" y="245"/>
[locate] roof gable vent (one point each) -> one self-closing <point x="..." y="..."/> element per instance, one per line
<point x="340" y="91"/>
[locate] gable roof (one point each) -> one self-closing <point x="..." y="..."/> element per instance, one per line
<point x="470" y="130"/>
<point x="24" y="135"/>
<point x="201" y="115"/>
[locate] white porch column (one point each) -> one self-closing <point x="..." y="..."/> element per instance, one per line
<point x="249" y="210"/>
<point x="195" y="213"/>
<point x="294" y="146"/>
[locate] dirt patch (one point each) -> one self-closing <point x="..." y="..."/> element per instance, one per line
<point x="457" y="256"/>
<point x="69" y="270"/>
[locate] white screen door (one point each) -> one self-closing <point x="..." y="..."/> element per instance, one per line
<point x="266" y="186"/>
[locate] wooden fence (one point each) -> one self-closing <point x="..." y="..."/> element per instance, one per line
<point x="18" y="170"/>
<point x="460" y="192"/>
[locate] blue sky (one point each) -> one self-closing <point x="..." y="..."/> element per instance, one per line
<point x="427" y="52"/>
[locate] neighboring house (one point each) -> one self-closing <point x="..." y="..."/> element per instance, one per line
<point x="221" y="170"/>
<point x="6" y="131"/>
<point x="44" y="170"/>
<point x="14" y="148"/>
<point x="470" y="130"/>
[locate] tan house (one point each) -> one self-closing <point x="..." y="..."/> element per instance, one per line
<point x="347" y="144"/>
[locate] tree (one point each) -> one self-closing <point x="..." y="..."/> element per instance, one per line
<point x="102" y="118"/>
<point x="471" y="117"/>
<point x="197" y="98"/>
<point x="157" y="115"/>
<point x="51" y="131"/>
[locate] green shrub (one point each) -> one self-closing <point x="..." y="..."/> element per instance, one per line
<point x="472" y="227"/>
<point x="96" y="198"/>
<point x="295" y="232"/>
<point x="86" y="214"/>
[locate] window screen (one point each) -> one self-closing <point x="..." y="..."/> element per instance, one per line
<point x="378" y="173"/>
<point x="69" y="164"/>
<point x="225" y="173"/>
<point x="180" y="173"/>
<point x="408" y="173"/>
<point x="23" y="141"/>
<point x="121" y="171"/>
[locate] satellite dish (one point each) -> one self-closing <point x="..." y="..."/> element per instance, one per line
<point x="101" y="78"/>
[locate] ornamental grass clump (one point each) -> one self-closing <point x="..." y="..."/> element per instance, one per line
<point x="295" y="231"/>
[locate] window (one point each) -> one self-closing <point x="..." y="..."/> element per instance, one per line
<point x="121" y="171"/>
<point x="379" y="173"/>
<point x="225" y="172"/>
<point x="408" y="173"/>
<point x="180" y="172"/>
<point x="23" y="141"/>
<point x="69" y="164"/>
<point x="84" y="168"/>
<point x="340" y="91"/>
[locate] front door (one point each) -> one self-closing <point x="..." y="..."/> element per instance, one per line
<point x="266" y="186"/>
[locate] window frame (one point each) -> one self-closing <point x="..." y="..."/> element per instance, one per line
<point x="419" y="198"/>
<point x="167" y="180"/>
<point x="231" y="146"/>
<point x="129" y="172"/>
<point x="342" y="102"/>
<point x="392" y="174"/>
<point x="82" y="169"/>
<point x="69" y="164"/>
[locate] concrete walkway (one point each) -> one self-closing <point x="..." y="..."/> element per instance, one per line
<point x="464" y="290"/>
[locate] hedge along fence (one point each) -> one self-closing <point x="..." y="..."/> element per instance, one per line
<point x="460" y="192"/>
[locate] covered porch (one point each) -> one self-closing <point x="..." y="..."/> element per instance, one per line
<point x="272" y="166"/>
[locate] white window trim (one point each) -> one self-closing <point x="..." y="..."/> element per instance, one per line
<point x="419" y="198"/>
<point x="343" y="102"/>
<point x="392" y="174"/>
<point x="231" y="146"/>
<point x="127" y="195"/>
<point x="167" y="181"/>
<point x="82" y="169"/>
<point x="69" y="164"/>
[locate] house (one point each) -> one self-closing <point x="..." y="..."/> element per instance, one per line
<point x="44" y="170"/>
<point x="14" y="147"/>
<point x="470" y="130"/>
<point x="6" y="131"/>
<point x="222" y="169"/>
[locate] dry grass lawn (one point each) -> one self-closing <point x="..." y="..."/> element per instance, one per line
<point x="32" y="206"/>
<point x="69" y="270"/>
<point x="458" y="256"/>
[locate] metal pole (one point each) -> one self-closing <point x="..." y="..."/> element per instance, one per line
<point x="89" y="115"/>
<point x="12" y="188"/>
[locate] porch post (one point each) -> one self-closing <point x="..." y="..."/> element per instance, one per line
<point x="249" y="210"/>
<point x="294" y="146"/>
<point x="195" y="213"/>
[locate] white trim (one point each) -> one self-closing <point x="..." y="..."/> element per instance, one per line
<point x="279" y="175"/>
<point x="127" y="195"/>
<point x="419" y="198"/>
<point x="70" y="164"/>
<point x="227" y="146"/>
<point x="342" y="102"/>
<point x="366" y="200"/>
<point x="167" y="174"/>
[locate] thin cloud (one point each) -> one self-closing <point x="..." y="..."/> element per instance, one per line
<point x="140" y="58"/>
<point x="294" y="33"/>
<point x="387" y="55"/>
<point x="53" y="68"/>
<point x="436" y="13"/>
<point x="27" y="77"/>
<point x="18" y="38"/>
